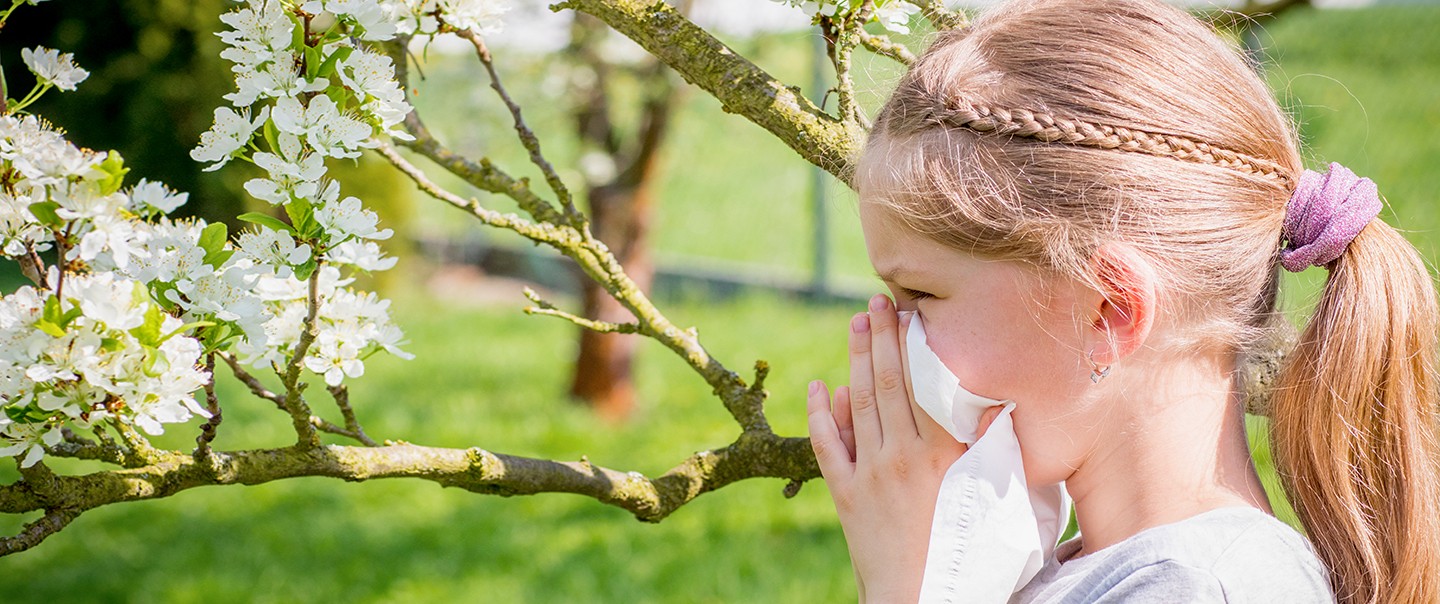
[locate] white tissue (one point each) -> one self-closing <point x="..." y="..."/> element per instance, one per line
<point x="991" y="532"/>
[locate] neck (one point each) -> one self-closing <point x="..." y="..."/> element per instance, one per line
<point x="1176" y="447"/>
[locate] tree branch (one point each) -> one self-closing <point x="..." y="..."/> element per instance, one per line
<point x="543" y="307"/>
<point x="752" y="455"/>
<point x="481" y="175"/>
<point x="341" y="394"/>
<point x="740" y="86"/>
<point x="293" y="403"/>
<point x="212" y="404"/>
<point x="941" y="17"/>
<point x="594" y="258"/>
<point x="527" y="136"/>
<point x="37" y="531"/>
<point x="252" y="382"/>
<point x="883" y="46"/>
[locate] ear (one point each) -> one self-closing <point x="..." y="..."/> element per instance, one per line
<point x="1125" y="313"/>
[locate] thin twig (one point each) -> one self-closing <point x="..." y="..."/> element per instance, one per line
<point x="841" y="39"/>
<point x="543" y="307"/>
<point x="315" y="421"/>
<point x="212" y="404"/>
<point x="595" y="259"/>
<point x="885" y="47"/>
<point x="138" y="446"/>
<point x="79" y="447"/>
<point x="538" y="232"/>
<point x="941" y="17"/>
<point x="527" y="136"/>
<point x="294" y="403"/>
<point x="33" y="533"/>
<point x="341" y="394"/>
<point x="252" y="382"/>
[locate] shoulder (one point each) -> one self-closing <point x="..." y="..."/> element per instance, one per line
<point x="1225" y="555"/>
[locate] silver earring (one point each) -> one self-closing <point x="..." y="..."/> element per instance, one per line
<point x="1097" y="372"/>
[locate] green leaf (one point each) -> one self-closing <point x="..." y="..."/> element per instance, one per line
<point x="215" y="336"/>
<point x="157" y="291"/>
<point x="44" y="211"/>
<point x="212" y="238"/>
<point x="332" y="64"/>
<point x="69" y="316"/>
<point x="297" y="36"/>
<point x="51" y="311"/>
<point x="151" y="363"/>
<point x="148" y="333"/>
<point x="114" y="169"/>
<point x="266" y="220"/>
<point x="312" y="62"/>
<point x="304" y="271"/>
<point x="218" y="258"/>
<point x="50" y="327"/>
<point x="184" y="328"/>
<point x="272" y="136"/>
<point x="302" y="215"/>
<point x="26" y="415"/>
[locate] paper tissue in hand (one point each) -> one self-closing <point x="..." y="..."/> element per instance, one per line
<point x="991" y="532"/>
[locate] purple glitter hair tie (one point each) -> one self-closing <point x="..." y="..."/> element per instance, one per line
<point x="1324" y="215"/>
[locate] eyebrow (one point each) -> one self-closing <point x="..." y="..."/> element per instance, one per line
<point x="891" y="274"/>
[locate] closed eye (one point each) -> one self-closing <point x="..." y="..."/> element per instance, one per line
<point x="915" y="294"/>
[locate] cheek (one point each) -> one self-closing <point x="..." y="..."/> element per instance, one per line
<point x="1000" y="349"/>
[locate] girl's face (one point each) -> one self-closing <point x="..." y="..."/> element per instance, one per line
<point x="1004" y="329"/>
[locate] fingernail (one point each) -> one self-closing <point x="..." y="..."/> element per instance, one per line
<point x="815" y="387"/>
<point x="879" y="302"/>
<point x="861" y="323"/>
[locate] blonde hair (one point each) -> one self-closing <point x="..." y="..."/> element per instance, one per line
<point x="1053" y="126"/>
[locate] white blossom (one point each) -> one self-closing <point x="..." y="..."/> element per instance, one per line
<point x="261" y="33"/>
<point x="146" y="196"/>
<point x="347" y="218"/>
<point x="377" y="21"/>
<point x="231" y="132"/>
<point x="364" y="255"/>
<point x="328" y="131"/>
<point x="19" y="231"/>
<point x="828" y="8"/>
<point x="41" y="154"/>
<point x="895" y="16"/>
<point x="51" y="67"/>
<point x="479" y="16"/>
<point x="272" y="249"/>
<point x="372" y="76"/>
<point x="293" y="171"/>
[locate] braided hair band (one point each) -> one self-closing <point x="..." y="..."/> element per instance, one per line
<point x="1324" y="214"/>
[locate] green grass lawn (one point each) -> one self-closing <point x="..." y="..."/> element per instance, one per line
<point x="492" y="377"/>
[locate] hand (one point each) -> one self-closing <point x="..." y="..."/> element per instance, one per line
<point x="882" y="457"/>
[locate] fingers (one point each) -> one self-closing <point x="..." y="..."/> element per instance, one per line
<point x="830" y="450"/>
<point x="987" y="417"/>
<point x="924" y="424"/>
<point x="891" y="390"/>
<point x="843" y="420"/>
<point x="864" y="416"/>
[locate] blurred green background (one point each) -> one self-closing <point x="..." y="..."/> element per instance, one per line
<point x="1363" y="84"/>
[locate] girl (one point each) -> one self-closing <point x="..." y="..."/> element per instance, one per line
<point x="1088" y="202"/>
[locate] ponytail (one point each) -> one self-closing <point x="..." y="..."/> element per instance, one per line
<point x="1354" y="424"/>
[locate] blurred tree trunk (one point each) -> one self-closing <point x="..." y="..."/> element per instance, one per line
<point x="621" y="173"/>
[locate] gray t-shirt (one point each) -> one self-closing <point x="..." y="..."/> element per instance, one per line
<point x="1235" y="554"/>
